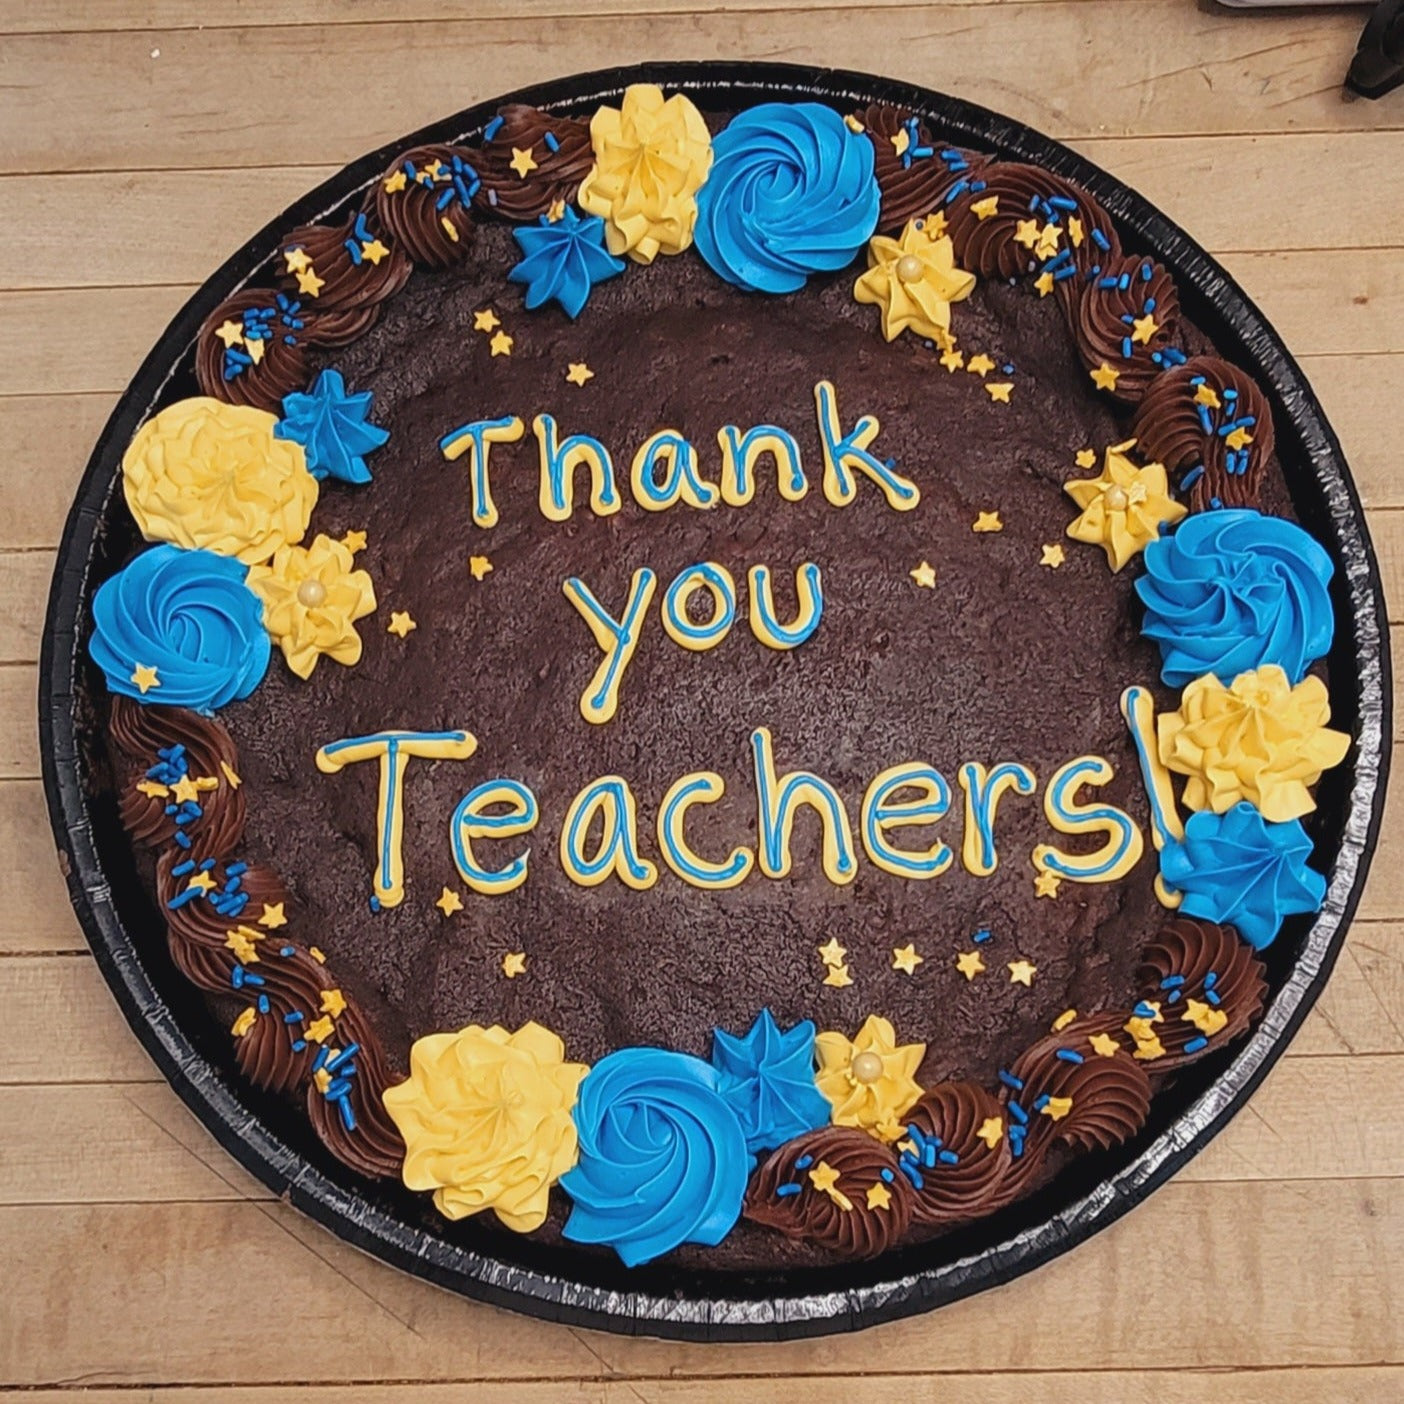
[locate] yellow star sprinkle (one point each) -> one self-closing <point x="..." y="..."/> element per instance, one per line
<point x="244" y="1022"/>
<point x="986" y="208"/>
<point x="449" y="902"/>
<point x="202" y="882"/>
<point x="952" y="359"/>
<point x="514" y="964"/>
<point x="838" y="977"/>
<point x="1063" y="1020"/>
<point x="1104" y="1045"/>
<point x="255" y="350"/>
<point x="854" y="124"/>
<point x="316" y="953"/>
<point x="372" y="250"/>
<point x="485" y="320"/>
<point x="230" y="333"/>
<point x="901" y="140"/>
<point x="320" y="1030"/>
<point x="354" y="541"/>
<point x="1086" y="458"/>
<point x="229" y="774"/>
<point x="1204" y="395"/>
<point x="1238" y="438"/>
<point x="988" y="521"/>
<point x="905" y="959"/>
<point x="1022" y="972"/>
<point x="308" y="283"/>
<point x="979" y="365"/>
<point x="879" y="1196"/>
<point x="1057" y="1107"/>
<point x="272" y="917"/>
<point x="400" y="623"/>
<point x="1048" y="241"/>
<point x="555" y="211"/>
<point x="924" y="575"/>
<point x="1075" y="232"/>
<point x="969" y="964"/>
<point x="185" y="790"/>
<point x="321" y="1080"/>
<point x="449" y="228"/>
<point x="1143" y="328"/>
<point x="478" y="566"/>
<point x="1204" y="1017"/>
<point x="145" y="678"/>
<point x="501" y="344"/>
<point x="832" y="953"/>
<point x="579" y="373"/>
<point x="243" y="947"/>
<point x="1149" y="1049"/>
<point x="1052" y="556"/>
<point x="394" y="182"/>
<point x="1026" y="233"/>
<point x="999" y="391"/>
<point x="1104" y="377"/>
<point x="1046" y="884"/>
<point x="825" y="1178"/>
<point x="1044" y="284"/>
<point x="333" y="1003"/>
<point x="296" y="260"/>
<point x="152" y="789"/>
<point x="991" y="1131"/>
<point x="522" y="162"/>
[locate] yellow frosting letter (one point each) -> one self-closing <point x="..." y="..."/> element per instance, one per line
<point x="845" y="454"/>
<point x="701" y="787"/>
<point x="475" y="439"/>
<point x="740" y="454"/>
<point x="394" y="748"/>
<point x="778" y="797"/>
<point x="560" y="459"/>
<point x="618" y="849"/>
<point x="600" y="699"/>
<point x="680" y="481"/>
<point x="881" y="812"/>
<point x="1124" y="844"/>
<point x="766" y="627"/>
<point x="983" y="791"/>
<point x="471" y="820"/>
<point x="717" y="581"/>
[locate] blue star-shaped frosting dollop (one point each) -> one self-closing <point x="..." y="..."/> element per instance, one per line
<point x="333" y="428"/>
<point x="563" y="260"/>
<point x="767" y="1078"/>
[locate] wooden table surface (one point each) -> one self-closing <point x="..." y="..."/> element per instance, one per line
<point x="139" y="140"/>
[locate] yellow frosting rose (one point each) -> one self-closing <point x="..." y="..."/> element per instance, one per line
<point x="312" y="598"/>
<point x="1124" y="507"/>
<point x="203" y="473"/>
<point x="1261" y="740"/>
<point x="486" y="1121"/>
<point x="914" y="280"/>
<point x="651" y="157"/>
<point x="869" y="1081"/>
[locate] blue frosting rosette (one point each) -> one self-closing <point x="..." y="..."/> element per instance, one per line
<point x="791" y="192"/>
<point x="180" y="628"/>
<point x="663" y="1158"/>
<point x="1232" y="590"/>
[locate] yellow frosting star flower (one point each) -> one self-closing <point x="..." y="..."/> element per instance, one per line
<point x="869" y="1081"/>
<point x="1124" y="507"/>
<point x="486" y="1119"/>
<point x="913" y="280"/>
<point x="1261" y="740"/>
<point x="651" y="157"/>
<point x="312" y="597"/>
<point x="203" y="473"/>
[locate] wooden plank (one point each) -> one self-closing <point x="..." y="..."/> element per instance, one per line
<point x="1346" y="1384"/>
<point x="1282" y="73"/>
<point x="136" y="1143"/>
<point x="1323" y="302"/>
<point x="218" y="1292"/>
<point x="206" y="213"/>
<point x="24" y="586"/>
<point x="38" y="916"/>
<point x="19" y="722"/>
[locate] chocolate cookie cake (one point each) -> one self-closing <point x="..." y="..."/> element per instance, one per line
<point x="737" y="684"/>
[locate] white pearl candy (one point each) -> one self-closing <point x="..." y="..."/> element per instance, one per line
<point x="311" y="593"/>
<point x="866" y="1067"/>
<point x="909" y="268"/>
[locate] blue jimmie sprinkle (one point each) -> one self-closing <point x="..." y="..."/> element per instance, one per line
<point x="1195" y="1044"/>
<point x="294" y="1016"/>
<point x="982" y="935"/>
<point x="1020" y="1115"/>
<point x="1070" y="1055"/>
<point x="552" y="144"/>
<point x="1144" y="1011"/>
<point x="374" y="903"/>
<point x="343" y="1057"/>
<point x="886" y="1174"/>
<point x="784" y="1191"/>
<point x="1171" y="982"/>
<point x="804" y="1162"/>
<point x="1041" y="1101"/>
<point x="492" y="128"/>
<point x="1213" y="997"/>
<point x="263" y="1004"/>
<point x="181" y="869"/>
<point x="1010" y="1081"/>
<point x="1100" y="239"/>
<point x="1211" y="979"/>
<point x="348" y="1117"/>
<point x="948" y="1157"/>
<point x="182" y="838"/>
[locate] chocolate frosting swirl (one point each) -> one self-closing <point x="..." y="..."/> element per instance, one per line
<point x="1104" y="315"/>
<point x="1176" y="964"/>
<point x="953" y="1113"/>
<point x="914" y="187"/>
<point x="840" y="1218"/>
<point x="348" y="284"/>
<point x="1169" y="427"/>
<point x="425" y="207"/>
<point x="558" y="173"/>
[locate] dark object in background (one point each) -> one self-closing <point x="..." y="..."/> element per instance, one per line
<point x="1378" y="65"/>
